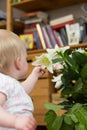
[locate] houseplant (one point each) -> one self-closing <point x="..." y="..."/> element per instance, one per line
<point x="70" y="67"/>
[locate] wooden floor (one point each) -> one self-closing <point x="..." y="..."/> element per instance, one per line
<point x="41" y="128"/>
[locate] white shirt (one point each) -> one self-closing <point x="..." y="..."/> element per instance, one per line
<point x="18" y="102"/>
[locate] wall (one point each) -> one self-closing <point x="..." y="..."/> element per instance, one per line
<point x="3" y="4"/>
<point x="76" y="10"/>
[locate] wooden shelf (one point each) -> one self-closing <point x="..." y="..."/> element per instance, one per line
<point x="18" y="24"/>
<point x="81" y="45"/>
<point x="2" y="25"/>
<point x="36" y="5"/>
<point x="44" y="5"/>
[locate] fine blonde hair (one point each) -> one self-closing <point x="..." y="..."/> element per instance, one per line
<point x="10" y="48"/>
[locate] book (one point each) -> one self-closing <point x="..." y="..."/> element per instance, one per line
<point x="46" y="37"/>
<point x="37" y="40"/>
<point x="28" y="40"/>
<point x="29" y="28"/>
<point x="36" y="15"/>
<point x="62" y="19"/>
<point x="60" y="39"/>
<point x="57" y="26"/>
<point x="63" y="35"/>
<point x="51" y="35"/>
<point x="27" y="31"/>
<point x="57" y="38"/>
<point x="83" y="28"/>
<point x="38" y="27"/>
<point x="73" y="33"/>
<point x="32" y="20"/>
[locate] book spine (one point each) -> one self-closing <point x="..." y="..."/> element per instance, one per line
<point x="51" y="35"/>
<point x="46" y="37"/>
<point x="57" y="39"/>
<point x="57" y="26"/>
<point x="36" y="40"/>
<point x="41" y="35"/>
<point x="62" y="24"/>
<point x="63" y="35"/>
<point x="62" y="19"/>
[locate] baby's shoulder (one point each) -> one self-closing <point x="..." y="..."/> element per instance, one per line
<point x="5" y="79"/>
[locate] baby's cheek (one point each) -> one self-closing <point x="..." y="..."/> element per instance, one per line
<point x="27" y="67"/>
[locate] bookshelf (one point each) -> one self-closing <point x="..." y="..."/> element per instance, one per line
<point x="33" y="5"/>
<point x="44" y="5"/>
<point x="43" y="90"/>
<point x="3" y="25"/>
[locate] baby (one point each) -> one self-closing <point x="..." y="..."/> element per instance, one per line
<point x="16" y="106"/>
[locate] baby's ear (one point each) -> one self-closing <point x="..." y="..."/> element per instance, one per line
<point x="17" y="63"/>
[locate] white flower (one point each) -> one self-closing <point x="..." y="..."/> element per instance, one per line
<point x="80" y="50"/>
<point x="63" y="49"/>
<point x="58" y="81"/>
<point x="53" y="52"/>
<point x="45" y="61"/>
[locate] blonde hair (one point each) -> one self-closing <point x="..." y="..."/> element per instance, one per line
<point x="10" y="48"/>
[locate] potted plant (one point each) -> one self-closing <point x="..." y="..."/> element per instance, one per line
<point x="70" y="66"/>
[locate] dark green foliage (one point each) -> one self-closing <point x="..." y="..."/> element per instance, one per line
<point x="74" y="90"/>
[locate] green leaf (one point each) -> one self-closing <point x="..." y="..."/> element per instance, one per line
<point x="57" y="60"/>
<point x="71" y="63"/>
<point x="66" y="126"/>
<point x="80" y="126"/>
<point x="53" y="121"/>
<point x="80" y="114"/>
<point x="80" y="58"/>
<point x="68" y="120"/>
<point x="74" y="119"/>
<point x="78" y="85"/>
<point x="66" y="91"/>
<point x="84" y="73"/>
<point x="49" y="119"/>
<point x="50" y="116"/>
<point x="68" y="76"/>
<point x="84" y="89"/>
<point x="76" y="107"/>
<point x="57" y="123"/>
<point x="51" y="106"/>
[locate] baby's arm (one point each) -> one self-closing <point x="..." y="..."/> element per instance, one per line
<point x="6" y="119"/>
<point x="12" y="121"/>
<point x="30" y="82"/>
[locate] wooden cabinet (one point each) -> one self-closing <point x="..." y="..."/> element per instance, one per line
<point x="42" y="91"/>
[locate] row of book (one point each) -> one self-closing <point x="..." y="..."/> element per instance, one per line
<point x="41" y="34"/>
<point x="30" y="21"/>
